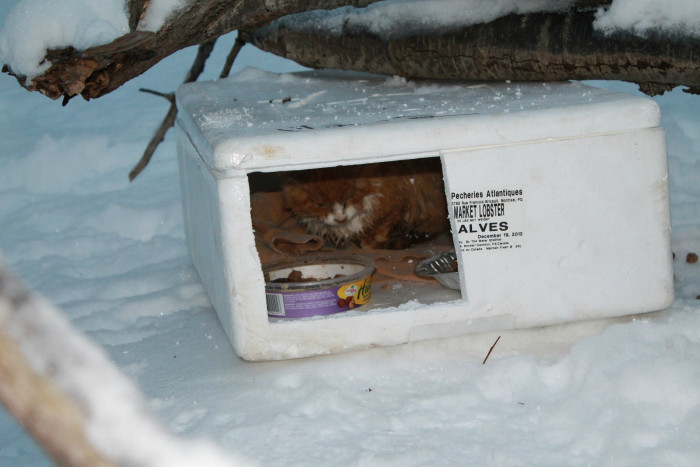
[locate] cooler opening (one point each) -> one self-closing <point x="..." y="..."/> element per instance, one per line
<point x="323" y="235"/>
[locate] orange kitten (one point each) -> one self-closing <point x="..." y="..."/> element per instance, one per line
<point x="384" y="205"/>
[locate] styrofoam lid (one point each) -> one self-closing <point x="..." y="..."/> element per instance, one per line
<point x="260" y="120"/>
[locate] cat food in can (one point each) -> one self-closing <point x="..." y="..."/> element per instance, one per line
<point x="317" y="286"/>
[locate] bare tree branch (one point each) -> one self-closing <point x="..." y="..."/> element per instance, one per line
<point x="168" y="96"/>
<point x="47" y="414"/>
<point x="63" y="389"/>
<point x="231" y="57"/>
<point x="197" y="68"/>
<point x="97" y="71"/>
<point x="51" y="417"/>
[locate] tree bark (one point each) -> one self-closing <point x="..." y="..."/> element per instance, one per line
<point x="99" y="70"/>
<point x="532" y="47"/>
<point x="517" y="47"/>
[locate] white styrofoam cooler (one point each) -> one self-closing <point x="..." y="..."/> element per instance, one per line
<point x="577" y="174"/>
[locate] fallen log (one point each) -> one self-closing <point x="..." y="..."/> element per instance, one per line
<point x="530" y="47"/>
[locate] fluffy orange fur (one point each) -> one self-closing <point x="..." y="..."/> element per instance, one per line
<point x="385" y="205"/>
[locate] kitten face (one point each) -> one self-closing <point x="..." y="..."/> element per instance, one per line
<point x="383" y="205"/>
<point x="331" y="207"/>
<point x="339" y="222"/>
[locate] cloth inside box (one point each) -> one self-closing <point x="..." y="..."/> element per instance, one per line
<point x="278" y="236"/>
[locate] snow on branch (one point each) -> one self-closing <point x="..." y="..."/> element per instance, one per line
<point x="69" y="61"/>
<point x="497" y="41"/>
<point x="67" y="393"/>
<point x="648" y="42"/>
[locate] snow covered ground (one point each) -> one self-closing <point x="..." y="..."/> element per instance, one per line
<point x="112" y="255"/>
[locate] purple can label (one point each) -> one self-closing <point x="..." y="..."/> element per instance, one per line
<point x="304" y="303"/>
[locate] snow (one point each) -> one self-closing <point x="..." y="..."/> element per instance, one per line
<point x="644" y="16"/>
<point x="117" y="421"/>
<point x="398" y="18"/>
<point x="157" y="12"/>
<point x="53" y="24"/>
<point x="46" y="24"/>
<point x="113" y="256"/>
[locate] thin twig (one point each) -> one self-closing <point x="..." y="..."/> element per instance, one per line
<point x="491" y="350"/>
<point x="158" y="137"/>
<point x="169" y="96"/>
<point x="197" y="67"/>
<point x="237" y="46"/>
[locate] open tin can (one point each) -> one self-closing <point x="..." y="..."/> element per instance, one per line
<point x="317" y="285"/>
